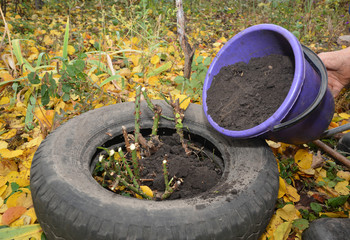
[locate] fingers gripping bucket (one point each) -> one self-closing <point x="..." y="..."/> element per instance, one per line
<point x="308" y="107"/>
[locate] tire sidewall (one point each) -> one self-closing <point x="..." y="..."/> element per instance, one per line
<point x="65" y="195"/>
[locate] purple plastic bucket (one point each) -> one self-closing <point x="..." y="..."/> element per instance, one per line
<point x="308" y="107"/>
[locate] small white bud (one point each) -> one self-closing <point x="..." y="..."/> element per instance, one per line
<point x="111" y="153"/>
<point x="119" y="149"/>
<point x="164" y="161"/>
<point x="143" y="89"/>
<point x="178" y="182"/>
<point x="132" y="147"/>
<point x="100" y="158"/>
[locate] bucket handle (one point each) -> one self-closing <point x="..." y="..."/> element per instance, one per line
<point x="311" y="57"/>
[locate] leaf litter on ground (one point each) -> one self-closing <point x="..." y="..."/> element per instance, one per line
<point x="113" y="52"/>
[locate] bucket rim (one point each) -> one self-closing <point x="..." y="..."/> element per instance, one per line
<point x="294" y="91"/>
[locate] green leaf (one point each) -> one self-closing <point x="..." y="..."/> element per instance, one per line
<point x="14" y="186"/>
<point x="301" y="224"/>
<point x="160" y="69"/>
<point x="337" y="201"/>
<point x="65" y="43"/>
<point x="79" y="64"/>
<point x="199" y="59"/>
<point x="65" y="97"/>
<point x="179" y="79"/>
<point x="109" y="79"/>
<point x="30" y="113"/>
<point x="316" y="207"/>
<point x="66" y="88"/>
<point x="33" y="78"/>
<point x="207" y="61"/>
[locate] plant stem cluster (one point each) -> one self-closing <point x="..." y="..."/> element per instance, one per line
<point x="121" y="170"/>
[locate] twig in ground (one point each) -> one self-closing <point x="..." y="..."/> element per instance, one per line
<point x="137" y="112"/>
<point x="332" y="153"/>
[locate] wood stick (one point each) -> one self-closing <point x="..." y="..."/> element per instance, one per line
<point x="186" y="47"/>
<point x="334" y="154"/>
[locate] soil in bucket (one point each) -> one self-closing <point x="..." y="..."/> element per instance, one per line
<point x="244" y="95"/>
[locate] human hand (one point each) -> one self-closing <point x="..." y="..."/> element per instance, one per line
<point x="338" y="69"/>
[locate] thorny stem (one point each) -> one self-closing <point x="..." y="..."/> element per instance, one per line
<point x="166" y="176"/>
<point x="157" y="113"/>
<point x="179" y="115"/>
<point x="137" y="112"/>
<point x="121" y="154"/>
<point x="135" y="161"/>
<point x="126" y="138"/>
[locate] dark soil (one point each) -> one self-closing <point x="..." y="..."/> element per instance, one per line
<point x="197" y="172"/>
<point x="242" y="95"/>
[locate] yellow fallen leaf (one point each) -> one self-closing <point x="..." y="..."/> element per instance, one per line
<point x="60" y="106"/>
<point x="321" y="175"/>
<point x="184" y="100"/>
<point x="217" y="44"/>
<point x="1" y="201"/>
<point x="342" y="174"/>
<point x="71" y="50"/>
<point x="24" y="200"/>
<point x="125" y="72"/>
<point x="274" y="222"/>
<point x="147" y="191"/>
<point x="5" y="153"/>
<point x="282" y="188"/>
<point x="155" y="59"/>
<point x="303" y="158"/>
<point x="341" y="188"/>
<point x="292" y="193"/>
<point x="9" y="134"/>
<point x="98" y="105"/>
<point x="19" y="178"/>
<point x="45" y="116"/>
<point x="4" y="100"/>
<point x="35" y="142"/>
<point x="19" y="222"/>
<point x="135" y="59"/>
<point x="6" y="76"/>
<point x="3" y="209"/>
<point x="288" y="213"/>
<point x="171" y="49"/>
<point x="282" y="231"/>
<point x="134" y="40"/>
<point x="3" y="144"/>
<point x="7" y="166"/>
<point x="153" y="81"/>
<point x="344" y="115"/>
<point x="3" y="189"/>
<point x="48" y="40"/>
<point x="31" y="213"/>
<point x="12" y="200"/>
<point x="334" y="214"/>
<point x="3" y="181"/>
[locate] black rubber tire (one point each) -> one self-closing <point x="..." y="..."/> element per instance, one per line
<point x="70" y="204"/>
<point x="328" y="229"/>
